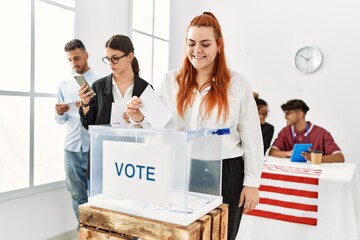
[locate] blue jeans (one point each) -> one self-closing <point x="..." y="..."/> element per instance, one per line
<point x="76" y="180"/>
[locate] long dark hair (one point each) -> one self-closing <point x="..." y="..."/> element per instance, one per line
<point x="124" y="44"/>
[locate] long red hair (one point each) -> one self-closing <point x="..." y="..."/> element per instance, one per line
<point x="219" y="80"/>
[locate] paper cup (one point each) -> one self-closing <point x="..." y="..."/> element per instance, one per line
<point x="316" y="156"/>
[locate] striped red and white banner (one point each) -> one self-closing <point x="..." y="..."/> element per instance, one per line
<point x="288" y="194"/>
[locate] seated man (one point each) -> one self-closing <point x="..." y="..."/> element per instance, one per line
<point x="300" y="131"/>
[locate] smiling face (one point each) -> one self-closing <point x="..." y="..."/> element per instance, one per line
<point x="201" y="48"/>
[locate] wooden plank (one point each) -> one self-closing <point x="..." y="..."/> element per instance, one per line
<point x="224" y="215"/>
<point x="215" y="224"/>
<point x="149" y="229"/>
<point x="95" y="234"/>
<point x="205" y="229"/>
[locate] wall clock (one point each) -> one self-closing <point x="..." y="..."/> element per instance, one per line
<point x="308" y="59"/>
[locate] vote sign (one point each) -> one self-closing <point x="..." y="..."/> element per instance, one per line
<point x="137" y="171"/>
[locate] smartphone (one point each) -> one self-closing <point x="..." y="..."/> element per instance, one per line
<point x="81" y="80"/>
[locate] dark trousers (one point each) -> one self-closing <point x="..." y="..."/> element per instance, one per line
<point x="232" y="185"/>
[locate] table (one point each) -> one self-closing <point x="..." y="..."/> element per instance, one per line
<point x="338" y="216"/>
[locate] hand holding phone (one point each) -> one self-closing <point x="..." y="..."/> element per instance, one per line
<point x="81" y="80"/>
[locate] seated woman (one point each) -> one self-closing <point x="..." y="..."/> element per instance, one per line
<point x="266" y="128"/>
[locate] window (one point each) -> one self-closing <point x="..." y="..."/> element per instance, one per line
<point x="35" y="64"/>
<point x="150" y="36"/>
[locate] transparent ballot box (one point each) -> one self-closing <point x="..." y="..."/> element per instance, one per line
<point x="163" y="174"/>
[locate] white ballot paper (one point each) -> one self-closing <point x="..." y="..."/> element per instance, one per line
<point x="72" y="107"/>
<point x="117" y="111"/>
<point x="155" y="111"/>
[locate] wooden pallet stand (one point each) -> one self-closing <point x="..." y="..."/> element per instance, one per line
<point x="98" y="224"/>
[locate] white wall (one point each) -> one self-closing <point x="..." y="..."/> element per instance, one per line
<point x="181" y="14"/>
<point x="261" y="39"/>
<point x="96" y="22"/>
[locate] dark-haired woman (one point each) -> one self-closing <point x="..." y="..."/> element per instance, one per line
<point x="266" y="128"/>
<point x="123" y="83"/>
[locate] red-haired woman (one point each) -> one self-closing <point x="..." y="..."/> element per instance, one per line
<point x="205" y="93"/>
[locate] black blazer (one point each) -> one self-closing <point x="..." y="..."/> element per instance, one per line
<point x="100" y="105"/>
<point x="268" y="133"/>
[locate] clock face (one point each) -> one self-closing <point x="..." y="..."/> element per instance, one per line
<point x="308" y="59"/>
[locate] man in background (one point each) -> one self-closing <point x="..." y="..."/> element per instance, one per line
<point x="298" y="130"/>
<point x="77" y="141"/>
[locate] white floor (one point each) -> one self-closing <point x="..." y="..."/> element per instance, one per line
<point x="71" y="235"/>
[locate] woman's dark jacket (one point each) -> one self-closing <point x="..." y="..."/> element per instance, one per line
<point x="268" y="132"/>
<point x="100" y="105"/>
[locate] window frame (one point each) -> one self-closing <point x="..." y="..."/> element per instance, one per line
<point x="32" y="189"/>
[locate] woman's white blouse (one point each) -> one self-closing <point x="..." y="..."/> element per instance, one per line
<point x="245" y="137"/>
